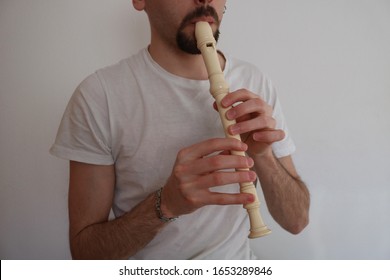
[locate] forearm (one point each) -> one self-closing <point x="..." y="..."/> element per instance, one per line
<point x="286" y="195"/>
<point x="119" y="238"/>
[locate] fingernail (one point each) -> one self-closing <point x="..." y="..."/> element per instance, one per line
<point x="252" y="176"/>
<point x="256" y="136"/>
<point x="250" y="162"/>
<point x="234" y="130"/>
<point x="231" y="114"/>
<point x="225" y="103"/>
<point x="251" y="199"/>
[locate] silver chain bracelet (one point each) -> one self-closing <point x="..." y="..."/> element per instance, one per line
<point x="160" y="215"/>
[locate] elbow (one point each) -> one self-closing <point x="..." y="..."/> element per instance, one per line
<point x="75" y="251"/>
<point x="79" y="251"/>
<point x="301" y="220"/>
<point x="298" y="227"/>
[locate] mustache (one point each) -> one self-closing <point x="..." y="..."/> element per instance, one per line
<point x="207" y="11"/>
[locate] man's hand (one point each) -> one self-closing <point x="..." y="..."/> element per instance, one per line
<point x="254" y="121"/>
<point x="287" y="197"/>
<point x="200" y="167"/>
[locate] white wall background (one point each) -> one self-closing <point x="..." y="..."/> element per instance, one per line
<point x="329" y="59"/>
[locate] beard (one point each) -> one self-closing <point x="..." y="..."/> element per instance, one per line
<point x="188" y="43"/>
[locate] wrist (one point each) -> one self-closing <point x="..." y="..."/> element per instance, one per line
<point x="162" y="211"/>
<point x="264" y="161"/>
<point x="266" y="154"/>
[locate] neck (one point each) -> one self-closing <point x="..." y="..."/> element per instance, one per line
<point x="180" y="63"/>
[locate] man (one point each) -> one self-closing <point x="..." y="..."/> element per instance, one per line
<point x="143" y="139"/>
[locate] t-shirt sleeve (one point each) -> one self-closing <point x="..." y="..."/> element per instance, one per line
<point x="84" y="132"/>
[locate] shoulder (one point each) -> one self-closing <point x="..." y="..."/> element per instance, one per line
<point x="117" y="72"/>
<point x="112" y="78"/>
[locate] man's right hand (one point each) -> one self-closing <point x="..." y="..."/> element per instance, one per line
<point x="201" y="167"/>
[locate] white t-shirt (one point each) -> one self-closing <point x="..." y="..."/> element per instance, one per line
<point x="137" y="116"/>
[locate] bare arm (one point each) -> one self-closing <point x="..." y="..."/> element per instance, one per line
<point x="92" y="236"/>
<point x="287" y="197"/>
<point x="196" y="170"/>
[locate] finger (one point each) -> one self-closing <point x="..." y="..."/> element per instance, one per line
<point x="199" y="167"/>
<point x="206" y="197"/>
<point x="254" y="105"/>
<point x="240" y="95"/>
<point x="259" y="123"/>
<point x="210" y="146"/>
<point x="215" y="106"/>
<point x="269" y="136"/>
<point x="229" y="199"/>
<point x="219" y="162"/>
<point x="223" y="178"/>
